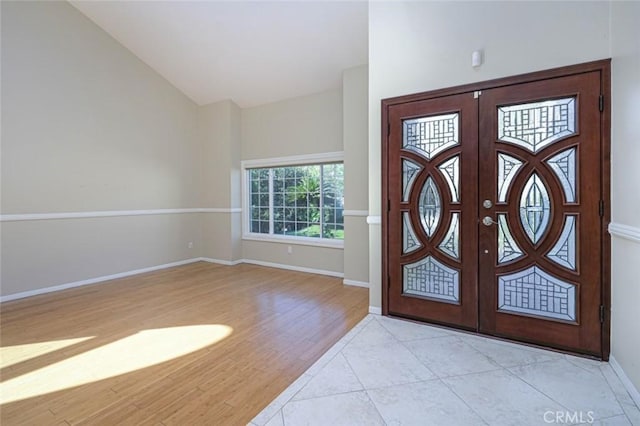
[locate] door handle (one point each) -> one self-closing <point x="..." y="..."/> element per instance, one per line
<point x="488" y="221"/>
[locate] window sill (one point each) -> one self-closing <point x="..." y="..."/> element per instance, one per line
<point x="304" y="241"/>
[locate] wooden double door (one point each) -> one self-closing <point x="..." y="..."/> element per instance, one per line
<point x="495" y="208"/>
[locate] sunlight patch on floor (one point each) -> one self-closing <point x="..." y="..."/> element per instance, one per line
<point x="141" y="350"/>
<point x="11" y="355"/>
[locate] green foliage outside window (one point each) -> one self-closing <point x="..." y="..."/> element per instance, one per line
<point x="302" y="201"/>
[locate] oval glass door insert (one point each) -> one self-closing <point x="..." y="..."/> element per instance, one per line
<point x="429" y="206"/>
<point x="535" y="208"/>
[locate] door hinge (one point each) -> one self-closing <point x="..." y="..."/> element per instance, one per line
<point x="388" y="205"/>
<point x="388" y="281"/>
<point x="477" y="94"/>
<point x="601" y="103"/>
<point x="602" y="314"/>
<point x="388" y="128"/>
<point x="601" y="208"/>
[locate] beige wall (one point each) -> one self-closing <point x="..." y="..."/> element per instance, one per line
<point x="355" y="88"/>
<point x="47" y="253"/>
<point x="413" y="48"/>
<point x="219" y="137"/>
<point x="625" y="178"/>
<point x="305" y="125"/>
<point x="86" y="126"/>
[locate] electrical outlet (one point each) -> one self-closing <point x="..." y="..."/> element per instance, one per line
<point x="289" y="250"/>
<point x="190" y="245"/>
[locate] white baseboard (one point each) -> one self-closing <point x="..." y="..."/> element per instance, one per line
<point x="375" y="310"/>
<point x="293" y="268"/>
<point x="45" y="290"/>
<point x="355" y="283"/>
<point x="635" y="395"/>
<point x="221" y="262"/>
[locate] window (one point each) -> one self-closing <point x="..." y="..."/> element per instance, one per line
<point x="302" y="202"/>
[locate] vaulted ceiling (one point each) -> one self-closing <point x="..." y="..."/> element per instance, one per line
<point x="251" y="52"/>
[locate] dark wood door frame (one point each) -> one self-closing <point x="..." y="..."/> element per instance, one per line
<point x="601" y="66"/>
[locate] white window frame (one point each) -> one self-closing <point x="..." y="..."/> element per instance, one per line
<point x="297" y="160"/>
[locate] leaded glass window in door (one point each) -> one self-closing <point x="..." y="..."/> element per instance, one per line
<point x="533" y="126"/>
<point x="428" y="136"/>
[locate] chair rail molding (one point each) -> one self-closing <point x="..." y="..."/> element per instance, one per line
<point x="111" y="213"/>
<point x="625" y="231"/>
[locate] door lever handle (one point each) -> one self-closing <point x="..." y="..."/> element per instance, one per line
<point x="488" y="221"/>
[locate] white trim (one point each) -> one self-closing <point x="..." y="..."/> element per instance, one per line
<point x="221" y="262"/>
<point x="324" y="157"/>
<point x="94" y="280"/>
<point x="110" y="213"/>
<point x="221" y="210"/>
<point x="302" y="241"/>
<point x="294" y="268"/>
<point x="625" y="231"/>
<point x="355" y="213"/>
<point x="355" y="283"/>
<point x="626" y="381"/>
<point x="375" y="310"/>
<point x="374" y="220"/>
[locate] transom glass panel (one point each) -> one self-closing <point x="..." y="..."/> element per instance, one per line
<point x="508" y="168"/>
<point x="535" y="125"/>
<point x="564" y="251"/>
<point x="430" y="278"/>
<point x="564" y="167"/>
<point x="429" y="206"/>
<point x="451" y="171"/>
<point x="535" y="208"/>
<point x="409" y="172"/>
<point x="409" y="240"/>
<point x="451" y="242"/>
<point x="535" y="292"/>
<point x="430" y="135"/>
<point x="508" y="249"/>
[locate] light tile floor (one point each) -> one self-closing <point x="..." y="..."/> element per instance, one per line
<point x="393" y="372"/>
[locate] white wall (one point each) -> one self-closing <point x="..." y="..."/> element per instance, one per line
<point x="625" y="180"/>
<point x="86" y="126"/>
<point x="305" y="125"/>
<point x="416" y="47"/>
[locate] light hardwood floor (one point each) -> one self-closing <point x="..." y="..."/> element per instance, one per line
<point x="196" y="344"/>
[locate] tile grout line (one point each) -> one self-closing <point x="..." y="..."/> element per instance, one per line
<point x="361" y="325"/>
<point x="464" y="401"/>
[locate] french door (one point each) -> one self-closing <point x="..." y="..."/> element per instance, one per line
<point x="495" y="209"/>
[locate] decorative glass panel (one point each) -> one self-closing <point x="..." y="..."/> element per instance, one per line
<point x="451" y="242"/>
<point x="430" y="278"/>
<point x="535" y="292"/>
<point x="409" y="172"/>
<point x="451" y="172"/>
<point x="535" y="207"/>
<point x="564" y="251"/>
<point x="430" y="135"/>
<point x="508" y="249"/>
<point x="409" y="241"/>
<point x="508" y="167"/>
<point x="429" y="206"/>
<point x="536" y="125"/>
<point x="564" y="166"/>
